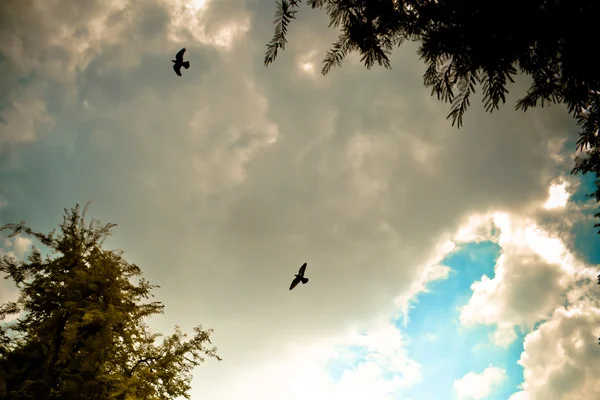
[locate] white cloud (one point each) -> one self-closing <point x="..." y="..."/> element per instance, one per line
<point x="535" y="276"/>
<point x="431" y="271"/>
<point x="558" y="196"/>
<point x="380" y="373"/>
<point x="195" y="5"/>
<point x="21" y="246"/>
<point x="475" y="386"/>
<point x="386" y="347"/>
<point x="561" y="359"/>
<point x="504" y="335"/>
<point x="477" y="228"/>
<point x="15" y="247"/>
<point x="194" y="19"/>
<point x="532" y="275"/>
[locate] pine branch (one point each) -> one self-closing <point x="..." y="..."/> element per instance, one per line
<point x="335" y="56"/>
<point x="443" y="80"/>
<point x="286" y="11"/>
<point x="462" y="102"/>
<point x="316" y="3"/>
<point x="376" y="54"/>
<point x="495" y="89"/>
<point x="589" y="119"/>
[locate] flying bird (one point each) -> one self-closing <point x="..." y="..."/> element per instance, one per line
<point x="178" y="62"/>
<point x="299" y="277"/>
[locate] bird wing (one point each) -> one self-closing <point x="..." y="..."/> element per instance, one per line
<point x="302" y="269"/>
<point x="177" y="69"/>
<point x="295" y="282"/>
<point x="179" y="55"/>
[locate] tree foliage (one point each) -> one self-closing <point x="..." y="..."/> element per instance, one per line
<point x="471" y="43"/>
<point x="81" y="332"/>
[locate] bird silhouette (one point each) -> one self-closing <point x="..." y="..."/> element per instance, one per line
<point x="178" y="62"/>
<point x="299" y="277"/>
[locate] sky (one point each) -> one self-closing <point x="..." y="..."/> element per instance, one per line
<point x="444" y="263"/>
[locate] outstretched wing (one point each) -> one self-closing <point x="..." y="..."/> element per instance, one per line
<point x="179" y="56"/>
<point x="295" y="282"/>
<point x="177" y="69"/>
<point x="302" y="269"/>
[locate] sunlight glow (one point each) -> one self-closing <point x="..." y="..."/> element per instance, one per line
<point x="558" y="196"/>
<point x="188" y="18"/>
<point x="196" y="4"/>
<point x="307" y="67"/>
<point x="306" y="63"/>
<point x="225" y="37"/>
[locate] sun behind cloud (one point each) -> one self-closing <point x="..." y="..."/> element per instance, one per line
<point x="558" y="196"/>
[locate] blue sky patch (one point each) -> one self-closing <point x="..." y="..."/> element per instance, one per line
<point x="455" y="350"/>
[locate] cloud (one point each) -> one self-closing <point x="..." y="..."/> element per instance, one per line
<point x="539" y="280"/>
<point x="504" y="335"/>
<point x="532" y="277"/>
<point x="23" y="119"/>
<point x="17" y="248"/>
<point x="224" y="181"/>
<point x="569" y="368"/>
<point x="558" y="196"/>
<point x="475" y="386"/>
<point x="379" y="368"/>
<point x="431" y="271"/>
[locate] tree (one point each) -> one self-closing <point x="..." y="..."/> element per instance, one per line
<point x="468" y="43"/>
<point x="81" y="331"/>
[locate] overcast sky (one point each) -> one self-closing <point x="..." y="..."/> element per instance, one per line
<point x="443" y="263"/>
